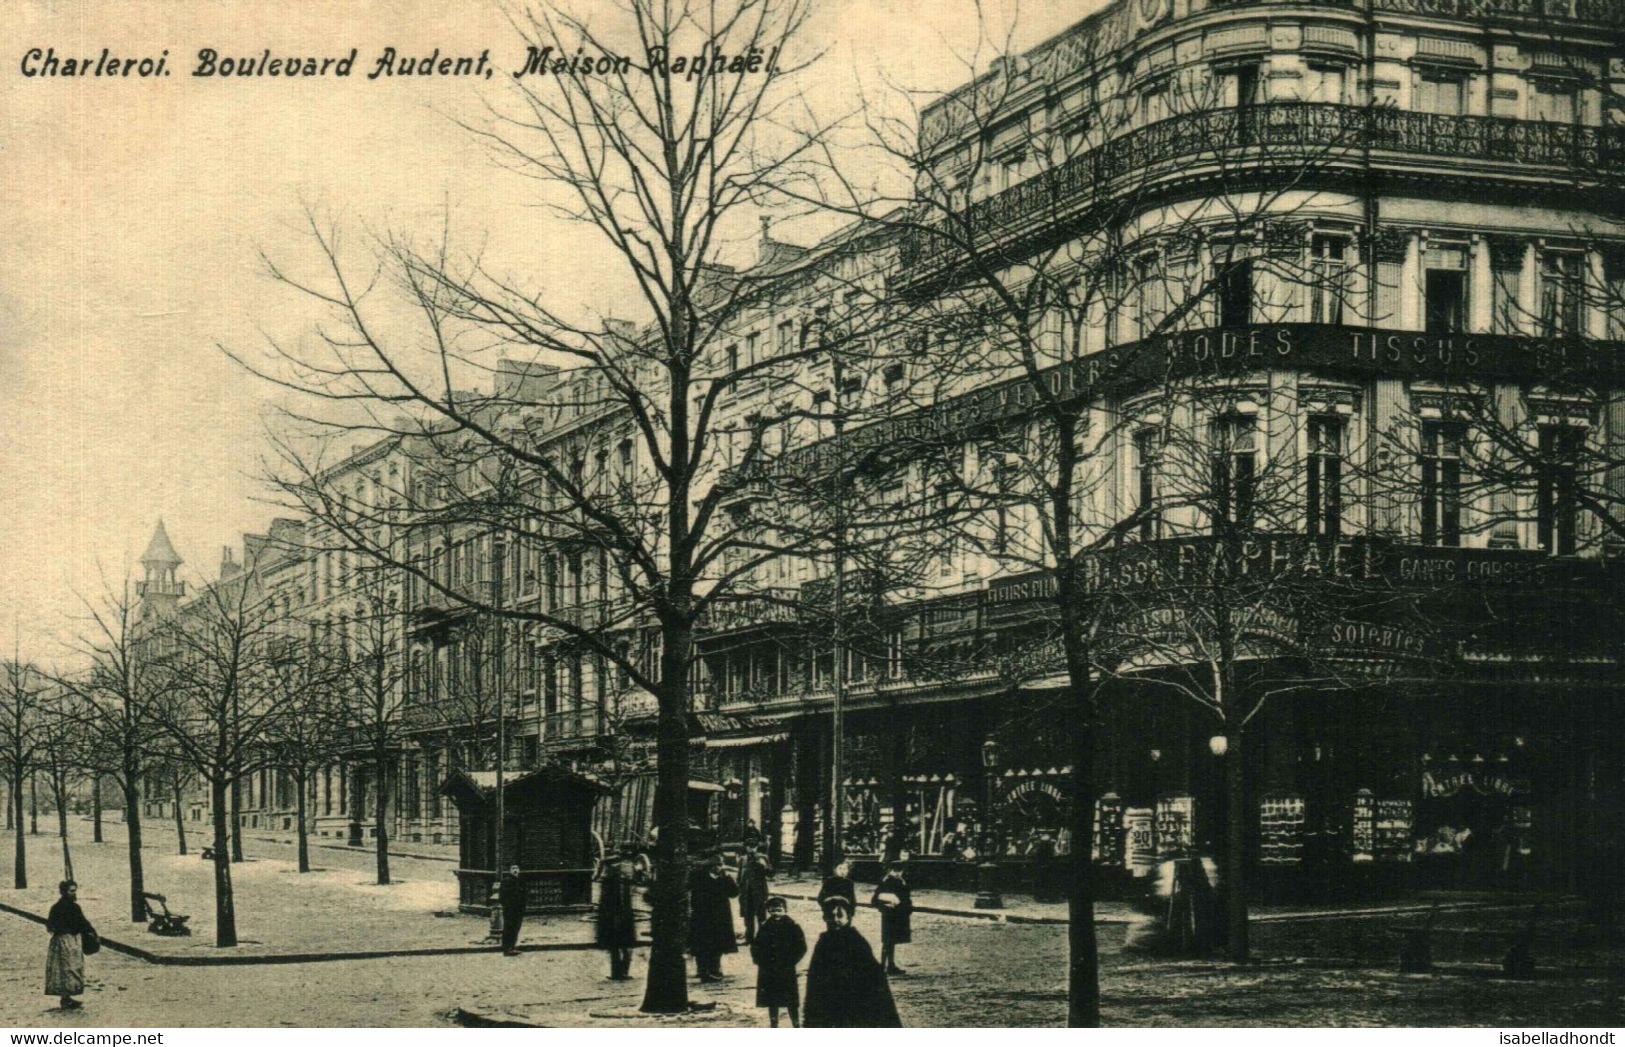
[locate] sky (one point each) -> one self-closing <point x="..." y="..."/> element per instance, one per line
<point x="137" y="213"/>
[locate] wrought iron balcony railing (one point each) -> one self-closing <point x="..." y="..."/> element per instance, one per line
<point x="1588" y="12"/>
<point x="1297" y="136"/>
<point x="742" y="484"/>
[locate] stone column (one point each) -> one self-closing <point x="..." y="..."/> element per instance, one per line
<point x="1528" y="309"/>
<point x="1410" y="286"/>
<point x="1481" y="288"/>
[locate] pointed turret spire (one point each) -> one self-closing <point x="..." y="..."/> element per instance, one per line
<point x="160" y="551"/>
<point x="160" y="590"/>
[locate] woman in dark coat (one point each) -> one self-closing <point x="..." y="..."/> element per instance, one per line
<point x="711" y="917"/>
<point x="617" y="929"/>
<point x="896" y="904"/>
<point x="779" y="945"/>
<point x="846" y="988"/>
<point x="65" y="961"/>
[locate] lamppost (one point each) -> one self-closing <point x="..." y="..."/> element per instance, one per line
<point x="987" y="873"/>
<point x="498" y="549"/>
<point x="833" y="832"/>
<point x="838" y="701"/>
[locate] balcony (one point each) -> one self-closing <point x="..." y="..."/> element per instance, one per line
<point x="743" y="485"/>
<point x="570" y="726"/>
<point x="770" y="605"/>
<point x="1294" y="136"/>
<point x="1584" y="12"/>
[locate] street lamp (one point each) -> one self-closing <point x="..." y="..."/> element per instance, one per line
<point x="498" y="549"/>
<point x="987" y="873"/>
<point x="833" y="832"/>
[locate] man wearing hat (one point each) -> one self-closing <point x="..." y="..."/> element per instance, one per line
<point x="846" y="986"/>
<point x="711" y="916"/>
<point x="753" y="877"/>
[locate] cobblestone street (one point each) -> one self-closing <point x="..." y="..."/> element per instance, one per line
<point x="1322" y="970"/>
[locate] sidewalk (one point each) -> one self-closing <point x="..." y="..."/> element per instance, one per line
<point x="335" y="911"/>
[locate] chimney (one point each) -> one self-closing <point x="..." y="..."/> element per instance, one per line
<point x="229" y="568"/>
<point x="523" y="380"/>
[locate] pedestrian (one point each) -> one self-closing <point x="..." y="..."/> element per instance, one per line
<point x="752" y="834"/>
<point x="896" y="904"/>
<point x="778" y="947"/>
<point x="753" y="877"/>
<point x="71" y="934"/>
<point x="838" y="884"/>
<point x="710" y="916"/>
<point x="511" y="894"/>
<point x="617" y="928"/>
<point x="846" y="987"/>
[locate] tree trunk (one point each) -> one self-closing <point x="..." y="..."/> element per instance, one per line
<point x="33" y="804"/>
<point x="19" y="878"/>
<point x="180" y="818"/>
<point x="1235" y="859"/>
<point x="225" y="913"/>
<point x="304" y="842"/>
<point x="380" y="807"/>
<point x="236" y="819"/>
<point x="96" y="810"/>
<point x="132" y="822"/>
<point x="667" y="989"/>
<point x="1083" y="951"/>
<point x="61" y="791"/>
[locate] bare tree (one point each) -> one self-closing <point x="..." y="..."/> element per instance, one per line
<point x="1064" y="266"/>
<point x="21" y="693"/>
<point x="114" y="698"/>
<point x="221" y="706"/>
<point x="370" y="663"/>
<point x="63" y="756"/>
<point x="306" y="736"/>
<point x="664" y="160"/>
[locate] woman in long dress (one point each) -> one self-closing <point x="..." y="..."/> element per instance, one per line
<point x="65" y="962"/>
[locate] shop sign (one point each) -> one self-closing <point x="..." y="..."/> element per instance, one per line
<point x="1028" y="788"/>
<point x="1218" y="352"/>
<point x="1443" y="786"/>
<point x="1382" y="641"/>
<point x="1140" y="846"/>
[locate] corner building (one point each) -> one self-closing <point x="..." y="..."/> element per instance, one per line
<point x="1370" y="239"/>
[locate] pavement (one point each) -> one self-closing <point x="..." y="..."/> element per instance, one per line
<point x="335" y="910"/>
<point x="1316" y="966"/>
<point x="962" y="973"/>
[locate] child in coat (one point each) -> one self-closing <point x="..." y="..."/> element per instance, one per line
<point x="778" y="946"/>
<point x="896" y="904"/>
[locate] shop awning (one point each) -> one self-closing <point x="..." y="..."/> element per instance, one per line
<point x="744" y="741"/>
